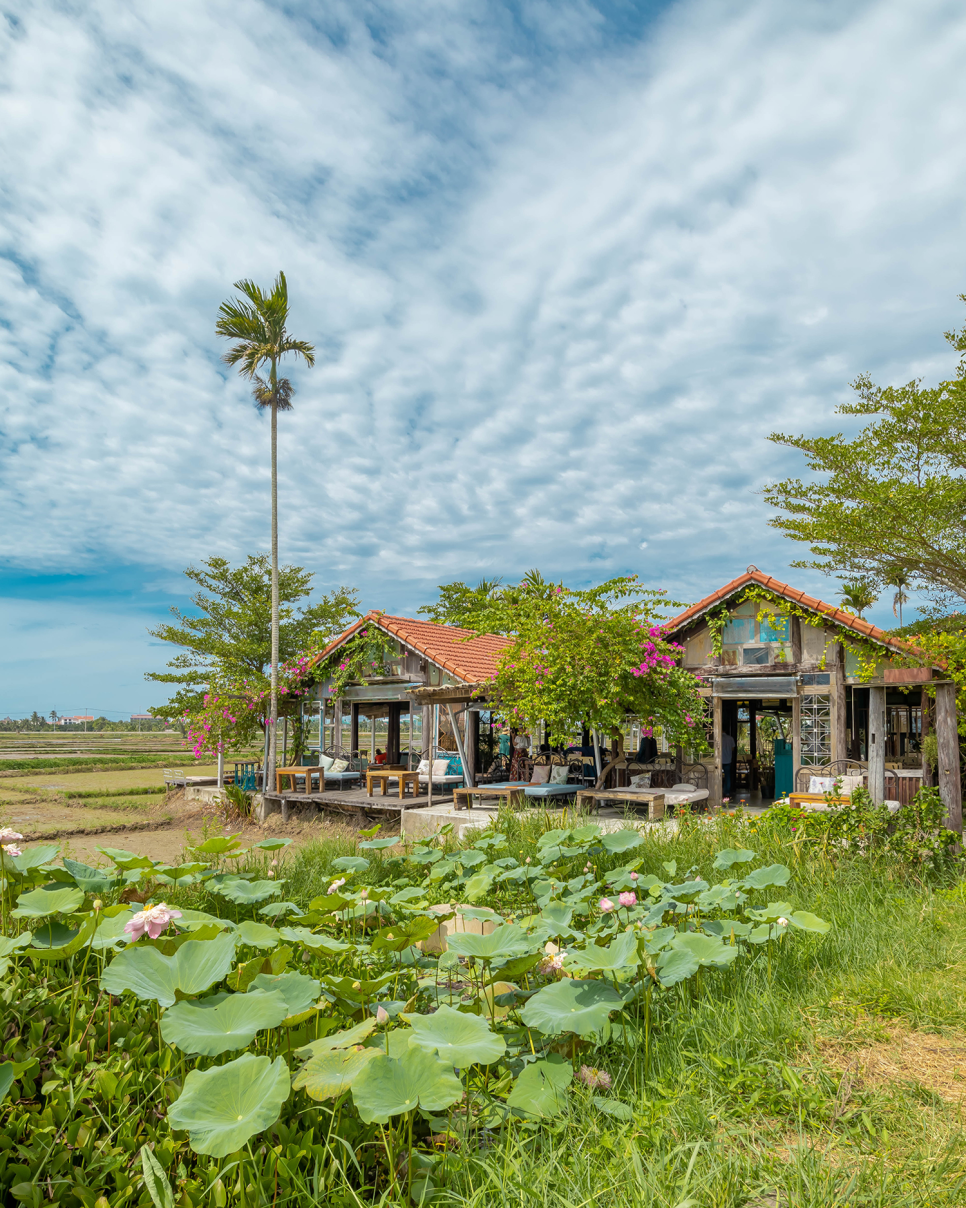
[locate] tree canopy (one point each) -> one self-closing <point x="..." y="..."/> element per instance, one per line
<point x="893" y="498"/>
<point x="229" y="642"/>
<point x="484" y="608"/>
<point x="589" y="658"/>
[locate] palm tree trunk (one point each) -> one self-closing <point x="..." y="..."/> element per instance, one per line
<point x="273" y="702"/>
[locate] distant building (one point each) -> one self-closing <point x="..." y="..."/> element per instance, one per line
<point x="72" y="721"/>
<point x="142" y="717"/>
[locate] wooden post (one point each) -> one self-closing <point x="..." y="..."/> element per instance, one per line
<point x="472" y="740"/>
<point x="715" y="785"/>
<point x="795" y="633"/>
<point x="392" y="739"/>
<point x="796" y="740"/>
<point x="467" y="771"/>
<point x="877" y="743"/>
<point x="427" y="730"/>
<point x="753" y="782"/>
<point x="285" y="742"/>
<point x="925" y="710"/>
<point x="337" y="725"/>
<point x="840" y="716"/>
<point x="947" y="736"/>
<point x="354" y="728"/>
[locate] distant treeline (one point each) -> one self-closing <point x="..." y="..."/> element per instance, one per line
<point x="52" y="724"/>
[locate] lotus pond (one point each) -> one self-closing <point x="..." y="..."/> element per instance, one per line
<point x="218" y="1033"/>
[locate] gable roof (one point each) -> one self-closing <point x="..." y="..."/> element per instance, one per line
<point x="472" y="661"/>
<point x="829" y="612"/>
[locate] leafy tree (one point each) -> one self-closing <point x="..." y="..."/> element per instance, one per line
<point x="590" y="658"/>
<point x="257" y="322"/>
<point x="230" y="642"/>
<point x="858" y="594"/>
<point x="484" y="606"/>
<point x="895" y="495"/>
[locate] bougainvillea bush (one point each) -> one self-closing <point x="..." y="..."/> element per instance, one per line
<point x="203" y="1034"/>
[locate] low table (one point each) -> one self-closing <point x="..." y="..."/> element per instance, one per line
<point x="384" y="775"/>
<point x="653" y="800"/>
<point x="512" y="792"/>
<point x="292" y="773"/>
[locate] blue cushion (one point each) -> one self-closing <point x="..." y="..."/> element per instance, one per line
<point x="551" y="790"/>
<point x="342" y="775"/>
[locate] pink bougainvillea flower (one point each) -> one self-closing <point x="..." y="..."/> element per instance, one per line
<point x="153" y="920"/>
<point x="606" y="905"/>
<point x="596" y="1079"/>
<point x="628" y="899"/>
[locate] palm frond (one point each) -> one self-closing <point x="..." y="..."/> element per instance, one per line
<point x="280" y="397"/>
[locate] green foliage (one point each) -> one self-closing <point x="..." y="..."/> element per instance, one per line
<point x="223" y="1107"/>
<point x="894" y="496"/>
<point x="229" y="641"/>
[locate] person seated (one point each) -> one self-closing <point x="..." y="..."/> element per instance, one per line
<point x="380" y="756"/>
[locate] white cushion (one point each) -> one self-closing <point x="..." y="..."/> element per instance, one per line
<point x="326" y="762"/>
<point x="440" y="768"/>
<point x="423" y="768"/>
<point x="641" y="781"/>
<point x="338" y="765"/>
<point x="683" y="788"/>
<point x="850" y="784"/>
<point x="559" y="775"/>
<point x="821" y="784"/>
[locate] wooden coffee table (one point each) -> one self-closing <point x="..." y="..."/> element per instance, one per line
<point x="653" y="800"/>
<point x="513" y="793"/>
<point x="384" y="775"/>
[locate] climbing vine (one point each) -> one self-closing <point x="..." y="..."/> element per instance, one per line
<point x="365" y="656"/>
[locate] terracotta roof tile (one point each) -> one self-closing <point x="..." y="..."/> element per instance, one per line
<point x="836" y="615"/>
<point x="472" y="661"/>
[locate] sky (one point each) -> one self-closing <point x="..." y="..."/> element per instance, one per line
<point x="565" y="264"/>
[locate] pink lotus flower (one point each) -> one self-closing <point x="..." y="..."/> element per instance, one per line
<point x="628" y="899"/>
<point x="11" y="850"/>
<point x="634" y="876"/>
<point x="336" y="885"/>
<point x="153" y="920"/>
<point x="597" y="1080"/>
<point x="382" y="1015"/>
<point x="8" y="836"/>
<point x="606" y="905"/>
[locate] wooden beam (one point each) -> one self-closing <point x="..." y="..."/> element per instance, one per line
<point x="715" y="782"/>
<point x="947" y="736"/>
<point x="354" y="727"/>
<point x="467" y="771"/>
<point x="796" y="740"/>
<point x="795" y="627"/>
<point x="925" y="707"/>
<point x="877" y="741"/>
<point x="840" y="732"/>
<point x="472" y="741"/>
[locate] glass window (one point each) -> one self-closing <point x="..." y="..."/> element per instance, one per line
<point x="757" y="655"/>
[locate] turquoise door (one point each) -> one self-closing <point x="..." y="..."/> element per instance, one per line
<point x="783" y="768"/>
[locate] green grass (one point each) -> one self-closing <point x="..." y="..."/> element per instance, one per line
<point x="85" y="763"/>
<point x="737" y="1103"/>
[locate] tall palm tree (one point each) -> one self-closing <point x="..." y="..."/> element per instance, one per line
<point x="257" y="322"/>
<point x="900" y="581"/>
<point x="857" y="595"/>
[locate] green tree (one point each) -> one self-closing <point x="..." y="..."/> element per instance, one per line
<point x="900" y="581"/>
<point x="257" y="322"/>
<point x="858" y="594"/>
<point x="485" y="605"/>
<point x="894" y="495"/>
<point x="231" y="639"/>
<point x="590" y="658"/>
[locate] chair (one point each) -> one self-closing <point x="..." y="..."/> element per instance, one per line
<point x="245" y="776"/>
<point x="440" y="774"/>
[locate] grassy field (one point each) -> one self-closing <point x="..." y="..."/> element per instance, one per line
<point x="832" y="1076"/>
<point x="103" y="781"/>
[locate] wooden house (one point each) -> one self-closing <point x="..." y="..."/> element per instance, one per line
<point x="841" y="691"/>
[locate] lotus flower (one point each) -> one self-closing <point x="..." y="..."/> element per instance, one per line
<point x="154" y="920"/>
<point x="606" y="905"/>
<point x="11" y="850"/>
<point x="597" y="1080"/>
<point x="628" y="899"/>
<point x="8" y="836"/>
<point x="336" y="885"/>
<point x="634" y="876"/>
<point x="783" y="922"/>
<point x="382" y="1015"/>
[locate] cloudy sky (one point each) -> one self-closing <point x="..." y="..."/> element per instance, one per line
<point x="565" y="263"/>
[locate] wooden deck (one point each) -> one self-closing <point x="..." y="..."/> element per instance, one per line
<point x="352" y="803"/>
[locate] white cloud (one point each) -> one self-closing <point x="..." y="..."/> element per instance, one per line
<point x="563" y="286"/>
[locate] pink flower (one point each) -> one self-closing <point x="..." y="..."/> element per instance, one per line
<point x="634" y="876"/>
<point x="10" y="850"/>
<point x="597" y="1080"/>
<point x="8" y="836"/>
<point x="553" y="962"/>
<point x="628" y="899"/>
<point x="153" y="920"/>
<point x="336" y="885"/>
<point x="382" y="1015"/>
<point x="606" y="905"/>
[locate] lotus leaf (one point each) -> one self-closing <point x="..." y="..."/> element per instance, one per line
<point x="274" y="909"/>
<point x="686" y="890"/>
<point x="179" y="874"/>
<point x="222" y="1108"/>
<point x="558" y="918"/>
<point x="218" y="845"/>
<point x="726" y="928"/>
<point x="148" y="974"/>
<point x="389" y="1086"/>
<point x="340" y="1040"/>
<point x="351" y="863"/>
<point x="380" y="844"/>
<point x="541" y="1088"/>
<point x="257" y="935"/>
<point x="298" y="989"/>
<point x="805" y="921"/>
<point x="346" y="986"/>
<point x="404" y="935"/>
<point x="479" y="885"/>
<point x="318" y="943"/>
<point x="10" y="944"/>
<point x="222" y="1023"/>
<point x="762" y="878"/>
<point x="271" y="844"/>
<point x="582" y="1007"/>
<point x="458" y="1038"/>
<point x="91" y="880"/>
<point x="126" y="859"/>
<point x="763" y="933"/>
<point x="706" y="949"/>
<point x="39" y="903"/>
<point x="247" y="893"/>
<point x="676" y="965"/>
<point x="59" y="947"/>
<point x="29" y="861"/>
<point x="733" y="855"/>
<point x="405" y="897"/>
<point x="622" y="840"/>
<point x="617" y="955"/>
<point x="505" y="941"/>
<point x="332" y="1073"/>
<point x="479" y="913"/>
<point x="191" y="920"/>
<point x="110" y="927"/>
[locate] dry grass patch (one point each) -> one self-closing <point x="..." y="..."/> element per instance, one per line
<point x="934" y="1063"/>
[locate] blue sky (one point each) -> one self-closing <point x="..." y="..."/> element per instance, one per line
<point x="566" y="264"/>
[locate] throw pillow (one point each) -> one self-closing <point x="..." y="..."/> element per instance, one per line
<point x="339" y="765"/>
<point x="641" y="781"/>
<point x="423" y="769"/>
<point x="541" y="774"/>
<point x="326" y="762"/>
<point x="439" y="768"/>
<point x="559" y="775"/>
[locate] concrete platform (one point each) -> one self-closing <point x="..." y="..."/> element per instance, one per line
<point x="346" y="803"/>
<point x="426" y="822"/>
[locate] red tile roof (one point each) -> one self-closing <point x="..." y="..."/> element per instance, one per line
<point x="828" y="611"/>
<point x="472" y="661"/>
